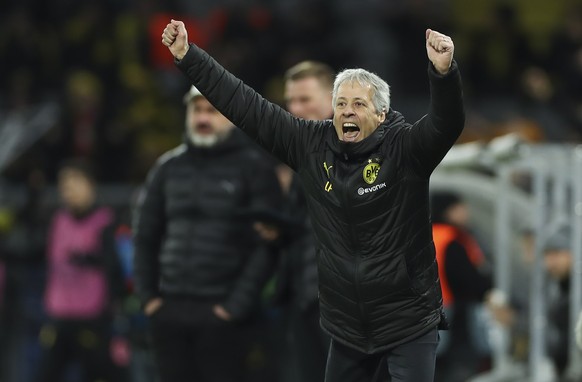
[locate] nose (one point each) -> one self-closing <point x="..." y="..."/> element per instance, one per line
<point x="348" y="111"/>
<point x="294" y="107"/>
<point x="202" y="117"/>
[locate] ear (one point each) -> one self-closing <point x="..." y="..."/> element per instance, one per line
<point x="381" y="117"/>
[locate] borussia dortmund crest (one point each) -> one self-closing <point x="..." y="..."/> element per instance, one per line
<point x="371" y="172"/>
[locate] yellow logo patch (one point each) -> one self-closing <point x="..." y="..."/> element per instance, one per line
<point x="328" y="186"/>
<point x="370" y="172"/>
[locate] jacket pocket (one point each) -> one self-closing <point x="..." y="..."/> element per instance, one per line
<point x="422" y="273"/>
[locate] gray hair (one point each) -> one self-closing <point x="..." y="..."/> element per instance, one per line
<point x="380" y="89"/>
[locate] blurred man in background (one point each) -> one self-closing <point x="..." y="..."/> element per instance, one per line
<point x="199" y="263"/>
<point x="558" y="261"/>
<point x="464" y="283"/>
<point x="83" y="284"/>
<point x="308" y="87"/>
<point x="23" y="249"/>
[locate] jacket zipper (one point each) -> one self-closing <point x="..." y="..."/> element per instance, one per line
<point x="358" y="255"/>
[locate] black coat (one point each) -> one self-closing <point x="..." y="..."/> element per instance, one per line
<point x="193" y="229"/>
<point x="378" y="278"/>
<point x="297" y="283"/>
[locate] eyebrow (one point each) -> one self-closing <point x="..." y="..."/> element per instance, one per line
<point x="356" y="98"/>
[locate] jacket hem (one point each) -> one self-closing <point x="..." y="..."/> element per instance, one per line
<point x="383" y="348"/>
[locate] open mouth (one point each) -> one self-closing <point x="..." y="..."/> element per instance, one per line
<point x="351" y="131"/>
<point x="204" y="129"/>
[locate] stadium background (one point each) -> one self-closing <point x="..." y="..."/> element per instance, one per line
<point x="91" y="79"/>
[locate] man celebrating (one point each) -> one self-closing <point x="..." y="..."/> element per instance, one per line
<point x="366" y="175"/>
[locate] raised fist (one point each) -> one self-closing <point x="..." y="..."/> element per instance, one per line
<point x="439" y="48"/>
<point x="175" y="37"/>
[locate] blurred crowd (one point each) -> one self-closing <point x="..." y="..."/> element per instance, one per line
<point x="117" y="89"/>
<point x="119" y="107"/>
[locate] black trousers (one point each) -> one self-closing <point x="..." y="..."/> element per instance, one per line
<point x="304" y="356"/>
<point x="191" y="344"/>
<point x="413" y="361"/>
<point x="87" y="341"/>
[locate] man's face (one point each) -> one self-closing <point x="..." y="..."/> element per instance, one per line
<point x="206" y="125"/>
<point x="558" y="263"/>
<point x="458" y="214"/>
<point x="308" y="98"/>
<point x="355" y="116"/>
<point x="75" y="189"/>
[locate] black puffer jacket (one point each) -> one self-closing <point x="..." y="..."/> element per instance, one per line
<point x="297" y="275"/>
<point x="193" y="229"/>
<point x="368" y="203"/>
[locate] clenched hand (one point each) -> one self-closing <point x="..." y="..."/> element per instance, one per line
<point x="175" y="37"/>
<point x="439" y="48"/>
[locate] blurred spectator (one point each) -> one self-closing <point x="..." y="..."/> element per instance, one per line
<point x="308" y="87"/>
<point x="22" y="249"/>
<point x="83" y="283"/>
<point x="142" y="365"/>
<point x="88" y="130"/>
<point x="558" y="263"/>
<point x="20" y="40"/>
<point x="464" y="286"/>
<point x="537" y="103"/>
<point x="132" y="123"/>
<point x="199" y="264"/>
